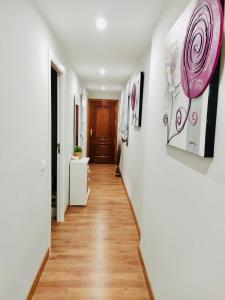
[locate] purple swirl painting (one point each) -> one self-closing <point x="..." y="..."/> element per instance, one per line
<point x="192" y="67"/>
<point x="202" y="47"/>
<point x="133" y="96"/>
<point x="137" y="98"/>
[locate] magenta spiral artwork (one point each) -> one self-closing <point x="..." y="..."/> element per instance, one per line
<point x="193" y="119"/>
<point x="137" y="98"/>
<point x="133" y="97"/>
<point x="193" y="52"/>
<point x="201" y="47"/>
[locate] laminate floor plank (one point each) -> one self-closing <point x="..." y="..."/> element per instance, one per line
<point x="95" y="251"/>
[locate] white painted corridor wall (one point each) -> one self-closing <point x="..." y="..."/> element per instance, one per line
<point x="24" y="213"/>
<point x="181" y="209"/>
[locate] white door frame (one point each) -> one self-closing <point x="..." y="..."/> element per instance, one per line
<point x="60" y="139"/>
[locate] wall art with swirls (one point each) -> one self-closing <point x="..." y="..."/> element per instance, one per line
<point x="137" y="89"/>
<point x="193" y="48"/>
<point x="124" y="127"/>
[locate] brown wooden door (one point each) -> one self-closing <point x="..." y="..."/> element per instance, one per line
<point x="102" y="131"/>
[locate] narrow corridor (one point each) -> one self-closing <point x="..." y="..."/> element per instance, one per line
<point x="95" y="252"/>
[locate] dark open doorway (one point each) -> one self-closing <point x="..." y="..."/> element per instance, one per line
<point x="54" y="135"/>
<point x="77" y="125"/>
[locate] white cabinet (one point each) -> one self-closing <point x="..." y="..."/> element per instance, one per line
<point x="79" y="187"/>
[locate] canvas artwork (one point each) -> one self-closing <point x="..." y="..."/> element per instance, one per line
<point x="193" y="48"/>
<point x="137" y="89"/>
<point x="128" y="114"/>
<point x="125" y="115"/>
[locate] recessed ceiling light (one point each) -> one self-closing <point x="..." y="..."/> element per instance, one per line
<point x="101" y="24"/>
<point x="102" y="71"/>
<point x="103" y="88"/>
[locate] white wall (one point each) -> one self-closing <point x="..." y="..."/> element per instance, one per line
<point x="24" y="204"/>
<point x="72" y="88"/>
<point x="110" y="95"/>
<point x="132" y="156"/>
<point x="85" y="122"/>
<point x="183" y="196"/>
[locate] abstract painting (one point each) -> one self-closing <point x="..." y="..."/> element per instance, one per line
<point x="193" y="48"/>
<point x="137" y="89"/>
<point x="125" y="115"/>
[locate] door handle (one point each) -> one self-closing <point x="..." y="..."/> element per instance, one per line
<point x="91" y="132"/>
<point x="58" y="148"/>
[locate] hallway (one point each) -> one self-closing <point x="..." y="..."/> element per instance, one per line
<point x="95" y="252"/>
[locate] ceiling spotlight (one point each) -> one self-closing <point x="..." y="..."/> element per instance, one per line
<point x="103" y="88"/>
<point x="101" y="24"/>
<point x="102" y="71"/>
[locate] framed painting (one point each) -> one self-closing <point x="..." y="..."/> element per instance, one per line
<point x="137" y="90"/>
<point x="125" y="115"/>
<point x="193" y="48"/>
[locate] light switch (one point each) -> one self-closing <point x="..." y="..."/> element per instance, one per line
<point x="43" y="166"/>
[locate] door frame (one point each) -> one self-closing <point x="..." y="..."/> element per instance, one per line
<point x="116" y="125"/>
<point x="53" y="62"/>
<point x="75" y="104"/>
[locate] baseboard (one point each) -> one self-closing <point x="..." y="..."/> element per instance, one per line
<point x="66" y="210"/>
<point x="147" y="281"/>
<point x="38" y="276"/>
<point x="133" y="211"/>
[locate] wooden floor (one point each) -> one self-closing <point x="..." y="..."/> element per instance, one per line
<point x="95" y="252"/>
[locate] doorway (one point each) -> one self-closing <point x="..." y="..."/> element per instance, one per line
<point x="77" y="125"/>
<point x="102" y="131"/>
<point x="54" y="139"/>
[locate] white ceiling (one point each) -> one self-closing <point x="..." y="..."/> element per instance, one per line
<point x="118" y="49"/>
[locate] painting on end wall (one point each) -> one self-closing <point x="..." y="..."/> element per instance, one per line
<point x="193" y="47"/>
<point x="137" y="89"/>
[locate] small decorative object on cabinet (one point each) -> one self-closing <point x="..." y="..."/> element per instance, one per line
<point x="79" y="186"/>
<point x="78" y="151"/>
